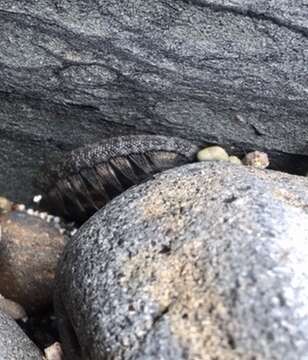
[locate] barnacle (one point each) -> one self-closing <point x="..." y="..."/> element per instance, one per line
<point x="256" y="159"/>
<point x="88" y="177"/>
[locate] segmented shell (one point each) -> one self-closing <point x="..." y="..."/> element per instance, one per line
<point x="88" y="177"/>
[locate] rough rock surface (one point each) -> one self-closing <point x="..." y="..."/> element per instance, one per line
<point x="29" y="252"/>
<point x="11" y="308"/>
<point x="221" y="71"/>
<point x="14" y="344"/>
<point x="206" y="261"/>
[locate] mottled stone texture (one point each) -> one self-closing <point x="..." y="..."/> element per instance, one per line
<point x="29" y="251"/>
<point x="221" y="71"/>
<point x="14" y="344"/>
<point x="206" y="261"/>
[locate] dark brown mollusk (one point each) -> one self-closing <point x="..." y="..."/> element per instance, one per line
<point x="89" y="177"/>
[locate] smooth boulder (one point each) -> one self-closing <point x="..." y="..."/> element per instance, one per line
<point x="205" y="261"/>
<point x="29" y="251"/>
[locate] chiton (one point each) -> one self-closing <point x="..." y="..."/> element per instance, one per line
<point x="89" y="177"/>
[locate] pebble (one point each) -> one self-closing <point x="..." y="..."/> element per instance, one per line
<point x="54" y="352"/>
<point x="212" y="153"/>
<point x="20" y="207"/>
<point x="5" y="205"/>
<point x="235" y="160"/>
<point x="256" y="159"/>
<point x="11" y="308"/>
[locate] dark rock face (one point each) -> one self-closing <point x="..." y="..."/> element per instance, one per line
<point x="205" y="261"/>
<point x="227" y="72"/>
<point x="14" y="344"/>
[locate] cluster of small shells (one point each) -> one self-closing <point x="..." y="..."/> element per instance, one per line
<point x="255" y="159"/>
<point x="7" y="206"/>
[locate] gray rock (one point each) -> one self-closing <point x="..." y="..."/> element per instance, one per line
<point x="206" y="261"/>
<point x="219" y="71"/>
<point x="14" y="344"/>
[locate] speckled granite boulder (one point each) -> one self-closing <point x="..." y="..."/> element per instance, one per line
<point x="14" y="344"/>
<point x="206" y="261"/>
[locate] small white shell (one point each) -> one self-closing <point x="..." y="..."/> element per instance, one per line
<point x="37" y="199"/>
<point x="30" y="211"/>
<point x="20" y="207"/>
